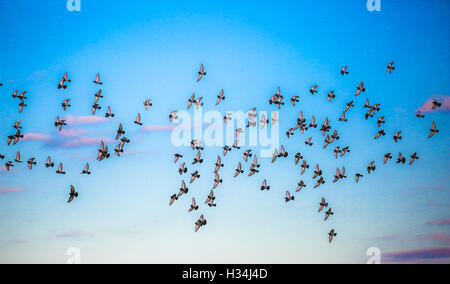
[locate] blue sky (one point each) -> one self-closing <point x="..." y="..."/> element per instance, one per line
<point x="153" y="49"/>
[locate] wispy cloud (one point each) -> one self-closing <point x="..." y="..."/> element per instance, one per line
<point x="74" y="234"/>
<point x="439" y="222"/>
<point x="6" y="190"/>
<point x="36" y="136"/>
<point x="84" y="120"/>
<point x="444" y="100"/>
<point x="418" y="256"/>
<point x="440" y="238"/>
<point x="388" y="238"/>
<point x="15" y="242"/>
<point x="159" y="127"/>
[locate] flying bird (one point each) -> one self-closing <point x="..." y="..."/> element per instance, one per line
<point x="304" y="167"/>
<point x="344" y="70"/>
<point x="289" y="197"/>
<point x="138" y="120"/>
<point x="371" y="167"/>
<point x="147" y="104"/>
<point x="328" y="214"/>
<point x="320" y="181"/>
<point x="65" y="104"/>
<point x="120" y="131"/>
<point x="360" y="89"/>
<point x="200" y="223"/>
<point x="201" y="73"/>
<point x="436" y="104"/>
<point x="220" y="97"/>
<point x="264" y="186"/>
<point x="390" y="67"/>
<point x="194" y="175"/>
<point x="387" y="157"/>
<point x="97" y="80"/>
<point x="86" y="170"/>
<point x="194" y="205"/>
<point x="238" y="170"/>
<point x="413" y="158"/>
<point x="48" y="163"/>
<point x="331" y="235"/>
<point x="73" y="194"/>
<point x="313" y="89"/>
<point x="217" y="180"/>
<point x="358" y="176"/>
<point x="433" y="130"/>
<point x="198" y="158"/>
<point x="182" y="169"/>
<point x="323" y="204"/>
<point x="31" y="163"/>
<point x="17" y="160"/>
<point x="183" y="189"/>
<point x="60" y="169"/>
<point x="109" y="113"/>
<point x="300" y="186"/>
<point x="419" y="114"/>
<point x="397" y="136"/>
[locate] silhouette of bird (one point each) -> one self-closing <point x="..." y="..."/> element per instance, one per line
<point x="328" y="214"/>
<point x="201" y="73"/>
<point x="360" y="89"/>
<point x="390" y="67"/>
<point x="413" y="158"/>
<point x="200" y="223"/>
<point x="264" y="186"/>
<point x="289" y="197"/>
<point x="86" y="170"/>
<point x="344" y="70"/>
<point x="31" y="163"/>
<point x="182" y="169"/>
<point x="194" y="205"/>
<point x="220" y="97"/>
<point x="433" y="130"/>
<point x="435" y="104"/>
<point x="60" y="169"/>
<point x="331" y="235"/>
<point x="73" y="194"/>
<point x="97" y="80"/>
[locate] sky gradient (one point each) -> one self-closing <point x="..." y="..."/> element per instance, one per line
<point x="153" y="49"/>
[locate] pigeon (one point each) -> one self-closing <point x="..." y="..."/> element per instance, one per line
<point x="226" y="149"/>
<point x="300" y="186"/>
<point x="289" y="197"/>
<point x="264" y="186"/>
<point x="191" y="101"/>
<point x="21" y="106"/>
<point x="344" y="70"/>
<point x="48" y="163"/>
<point x="65" y="104"/>
<point x="419" y="114"/>
<point x="401" y="159"/>
<point x="371" y="167"/>
<point x="274" y="118"/>
<point x="220" y="97"/>
<point x="182" y="169"/>
<point x="380" y="121"/>
<point x="183" y="189"/>
<point x="238" y="170"/>
<point x="275" y="155"/>
<point x="263" y="121"/>
<point x="308" y="141"/>
<point x="177" y="157"/>
<point x="297" y="158"/>
<point x="331" y="96"/>
<point x="276" y="96"/>
<point x="109" y="113"/>
<point x="198" y="158"/>
<point x="436" y="104"/>
<point x="2" y="157"/>
<point x="413" y="158"/>
<point x="98" y="95"/>
<point x="60" y="123"/>
<point x="194" y="205"/>
<point x="200" y="223"/>
<point x="17" y="160"/>
<point x="217" y="180"/>
<point x="120" y="131"/>
<point x="283" y="153"/>
<point x="194" y="176"/>
<point x="60" y="169"/>
<point x="247" y="154"/>
<point x="390" y="67"/>
<point x="304" y="167"/>
<point x="433" y="130"/>
<point x="313" y="124"/>
<point x="331" y="235"/>
<point x="397" y="136"/>
<point x="61" y="84"/>
<point x="103" y="152"/>
<point x="358" y="176"/>
<point x="73" y="194"/>
<point x="198" y="102"/>
<point x="328" y="214"/>
<point x="147" y="104"/>
<point x="379" y="134"/>
<point x="17" y="125"/>
<point x="294" y="100"/>
<point x="348" y="106"/>
<point x="317" y="172"/>
<point x="290" y="132"/>
<point x="66" y="77"/>
<point x="360" y="89"/>
<point x="320" y="181"/>
<point x="313" y="89"/>
<point x="173" y="198"/>
<point x="344" y="151"/>
<point x="218" y="165"/>
<point x="31" y="163"/>
<point x="97" y="80"/>
<point x="255" y="162"/>
<point x="201" y="73"/>
<point x="210" y="199"/>
<point x="173" y="116"/>
<point x="342" y="118"/>
<point x="138" y="120"/>
<point x="86" y="170"/>
<point x="235" y="145"/>
<point x="387" y="157"/>
<point x="337" y="151"/>
<point x="95" y="106"/>
<point x="8" y="165"/>
<point x="119" y="149"/>
<point x="323" y="204"/>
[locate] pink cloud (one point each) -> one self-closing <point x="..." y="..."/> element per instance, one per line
<point x="82" y="142"/>
<point x="159" y="127"/>
<point x="74" y="234"/>
<point x="441" y="238"/>
<point x="75" y="132"/>
<point x="435" y="255"/>
<point x="444" y="100"/>
<point x="36" y="136"/>
<point x="6" y="190"/>
<point x="83" y="120"/>
<point x="388" y="238"/>
<point x="439" y="222"/>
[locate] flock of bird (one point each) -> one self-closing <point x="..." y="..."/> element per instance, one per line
<point x="302" y="126"/>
